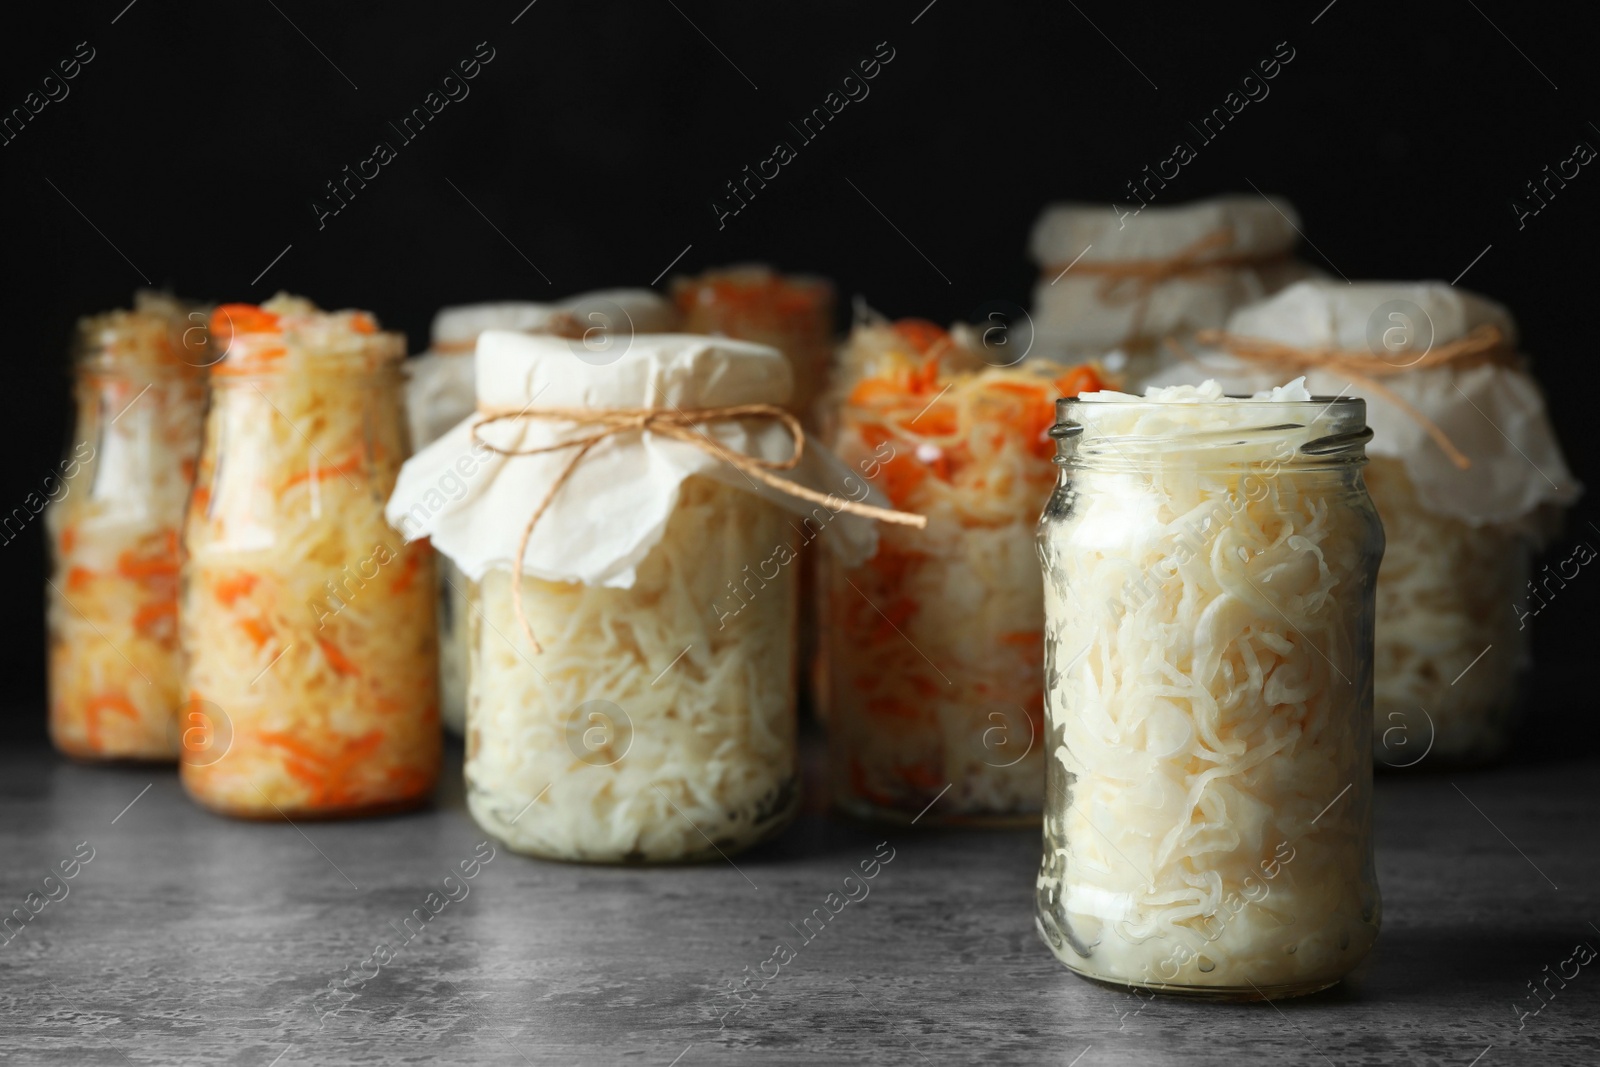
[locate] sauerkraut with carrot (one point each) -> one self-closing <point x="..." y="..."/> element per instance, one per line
<point x="307" y="622"/>
<point x="114" y="671"/>
<point x="649" y="729"/>
<point x="1209" y="581"/>
<point x="934" y="646"/>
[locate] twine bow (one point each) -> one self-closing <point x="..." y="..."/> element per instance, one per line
<point x="1485" y="344"/>
<point x="679" y="425"/>
<point x="1133" y="281"/>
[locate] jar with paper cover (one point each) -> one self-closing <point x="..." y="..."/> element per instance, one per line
<point x="1117" y="281"/>
<point x="1209" y="566"/>
<point x="439" y="394"/>
<point x="1466" y="471"/>
<point x="632" y="674"/>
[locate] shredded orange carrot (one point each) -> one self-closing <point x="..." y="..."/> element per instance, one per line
<point x="105" y="702"/>
<point x="229" y="319"/>
<point x="258" y="630"/>
<point x="69" y="538"/>
<point x="231" y="589"/>
<point x="344" y="469"/>
<point x="149" y="615"/>
<point x="336" y="659"/>
<point x="141" y="568"/>
<point x="408" y="570"/>
<point x="78" y="579"/>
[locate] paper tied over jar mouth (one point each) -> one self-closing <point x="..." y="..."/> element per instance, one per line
<point x="1446" y="393"/>
<point x="474" y="500"/>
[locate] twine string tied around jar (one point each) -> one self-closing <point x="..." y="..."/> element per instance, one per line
<point x="677" y="424"/>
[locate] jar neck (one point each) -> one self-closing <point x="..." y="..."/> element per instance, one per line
<point x="1217" y="437"/>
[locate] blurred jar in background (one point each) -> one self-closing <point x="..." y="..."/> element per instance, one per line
<point x="308" y="624"/>
<point x="751" y="302"/>
<point x="114" y="671"/>
<point x="935" y="646"/>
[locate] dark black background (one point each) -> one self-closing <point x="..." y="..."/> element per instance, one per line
<point x="597" y="138"/>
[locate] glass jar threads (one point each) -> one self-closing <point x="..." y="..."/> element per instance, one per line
<point x="933" y="646"/>
<point x="308" y="623"/>
<point x="1210" y="568"/>
<point x="632" y="690"/>
<point x="114" y="666"/>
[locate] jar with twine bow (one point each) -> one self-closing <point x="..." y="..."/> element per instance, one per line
<point x="632" y="532"/>
<point x="1115" y="278"/>
<point x="439" y="394"/>
<point x="1466" y="473"/>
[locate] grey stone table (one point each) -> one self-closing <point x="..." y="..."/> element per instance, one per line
<point x="188" y="939"/>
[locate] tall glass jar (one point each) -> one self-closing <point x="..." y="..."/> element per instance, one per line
<point x="1210" y="567"/>
<point x="934" y="645"/>
<point x="654" y="728"/>
<point x="113" y="519"/>
<point x="308" y="624"/>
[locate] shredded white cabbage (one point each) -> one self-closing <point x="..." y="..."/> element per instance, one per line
<point x="1445" y="596"/>
<point x="1208" y="688"/>
<point x="646" y="731"/>
<point x="115" y="674"/>
<point x="306" y="620"/>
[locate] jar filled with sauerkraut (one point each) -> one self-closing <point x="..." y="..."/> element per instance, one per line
<point x="933" y="646"/>
<point x="1210" y="568"/>
<point x="1466" y="471"/>
<point x="1117" y="280"/>
<point x="439" y="394"/>
<point x="792" y="313"/>
<point x="113" y="517"/>
<point x="307" y="621"/>
<point x="632" y="680"/>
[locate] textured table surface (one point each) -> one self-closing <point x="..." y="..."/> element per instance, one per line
<point x="191" y="939"/>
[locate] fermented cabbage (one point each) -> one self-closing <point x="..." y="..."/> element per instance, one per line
<point x="649" y="729"/>
<point x="1445" y="592"/>
<point x="1209" y="596"/>
<point x="934" y="645"/>
<point x="115" y="675"/>
<point x="307" y="622"/>
<point x="440" y="392"/>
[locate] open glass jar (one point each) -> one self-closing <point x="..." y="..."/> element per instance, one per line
<point x="115" y="672"/>
<point x="1210" y="567"/>
<point x="308" y="623"/>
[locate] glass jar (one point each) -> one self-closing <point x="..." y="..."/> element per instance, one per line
<point x="308" y="623"/>
<point x="114" y="668"/>
<point x="1433" y="627"/>
<point x="440" y="393"/>
<point x="650" y="729"/>
<point x="934" y="645"/>
<point x="1210" y="568"/>
<point x="792" y="313"/>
